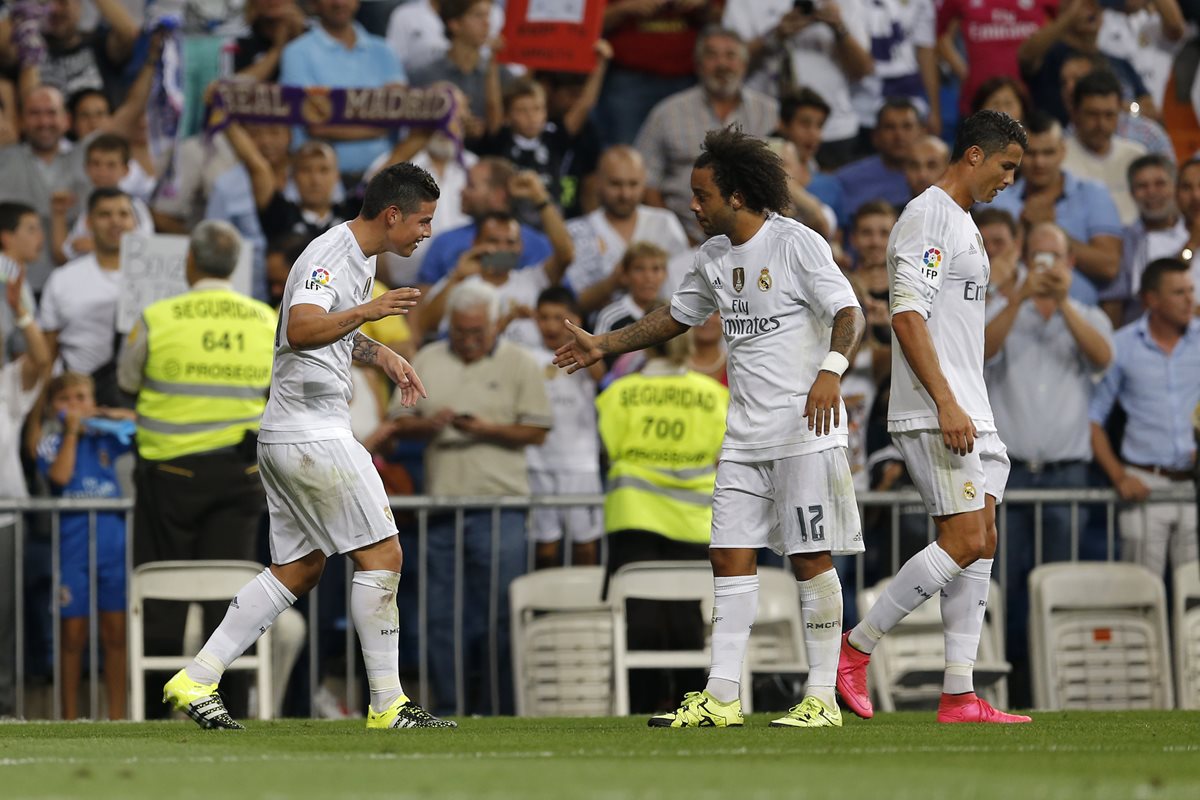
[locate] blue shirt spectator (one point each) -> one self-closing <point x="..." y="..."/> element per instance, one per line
<point x="1158" y="390"/>
<point x="881" y="177"/>
<point x="446" y="248"/>
<point x="339" y="53"/>
<point x="828" y="190"/>
<point x="1084" y="210"/>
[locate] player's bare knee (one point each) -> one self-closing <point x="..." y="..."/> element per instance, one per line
<point x="806" y="566"/>
<point x="733" y="561"/>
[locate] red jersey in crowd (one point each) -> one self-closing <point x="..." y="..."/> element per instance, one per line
<point x="992" y="31"/>
<point x="662" y="44"/>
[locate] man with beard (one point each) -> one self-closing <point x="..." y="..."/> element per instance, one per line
<point x="1160" y="230"/>
<point x="672" y="134"/>
<point x="602" y="237"/>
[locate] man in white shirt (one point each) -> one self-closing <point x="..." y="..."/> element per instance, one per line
<point x="79" y="303"/>
<point x="602" y="236"/>
<point x="1093" y="148"/>
<point x="781" y="483"/>
<point x="939" y="415"/>
<point x="323" y="493"/>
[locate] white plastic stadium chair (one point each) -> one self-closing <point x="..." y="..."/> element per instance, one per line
<point x="1186" y="624"/>
<point x="561" y="643"/>
<point x="777" y="639"/>
<point x="189" y="581"/>
<point x="909" y="663"/>
<point x="1098" y="637"/>
<point x="655" y="580"/>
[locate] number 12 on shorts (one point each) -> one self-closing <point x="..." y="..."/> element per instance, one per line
<point x="813" y="524"/>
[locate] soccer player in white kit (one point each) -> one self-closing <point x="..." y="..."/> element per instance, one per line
<point x="323" y="493"/>
<point x="939" y="415"/>
<point x="792" y="323"/>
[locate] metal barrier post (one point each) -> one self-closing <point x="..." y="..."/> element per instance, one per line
<point x="1002" y="546"/>
<point x="351" y="659"/>
<point x="56" y="611"/>
<point x="1110" y="532"/>
<point x="1037" y="534"/>
<point x="314" y="643"/>
<point x="423" y="604"/>
<point x="93" y="621"/>
<point x="494" y="612"/>
<point x="459" y="666"/>
<point x="1074" y="531"/>
<point x="19" y="610"/>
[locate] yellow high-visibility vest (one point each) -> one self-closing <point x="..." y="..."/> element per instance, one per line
<point x="208" y="369"/>
<point x="663" y="436"/>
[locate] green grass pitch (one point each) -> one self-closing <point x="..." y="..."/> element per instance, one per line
<point x="1124" y="756"/>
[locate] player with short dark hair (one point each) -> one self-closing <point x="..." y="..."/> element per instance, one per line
<point x="939" y="416"/>
<point x="323" y="493"/>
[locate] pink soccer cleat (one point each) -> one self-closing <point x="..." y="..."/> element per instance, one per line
<point x="852" y="679"/>
<point x="970" y="707"/>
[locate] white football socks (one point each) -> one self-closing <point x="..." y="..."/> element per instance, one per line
<point x="964" y="602"/>
<point x="250" y="613"/>
<point x="921" y="577"/>
<point x="821" y="609"/>
<point x="377" y="622"/>
<point x="735" y="604"/>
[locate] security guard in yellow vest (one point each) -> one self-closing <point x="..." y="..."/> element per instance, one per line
<point x="200" y="364"/>
<point x="662" y="429"/>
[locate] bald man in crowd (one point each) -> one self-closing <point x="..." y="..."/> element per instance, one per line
<point x="929" y="158"/>
<point x="602" y="236"/>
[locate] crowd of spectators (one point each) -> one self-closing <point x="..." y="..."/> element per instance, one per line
<point x="569" y="197"/>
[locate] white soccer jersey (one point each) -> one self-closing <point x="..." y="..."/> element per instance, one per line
<point x="938" y="268"/>
<point x="311" y="389"/>
<point x="777" y="294"/>
<point x="572" y="445"/>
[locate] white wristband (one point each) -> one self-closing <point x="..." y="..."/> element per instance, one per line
<point x="24" y="321"/>
<point x="836" y="363"/>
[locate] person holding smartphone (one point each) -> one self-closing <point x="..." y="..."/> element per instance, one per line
<point x="494" y="258"/>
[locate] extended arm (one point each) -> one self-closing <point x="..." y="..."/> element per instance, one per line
<point x="262" y="177"/>
<point x="1092" y="343"/>
<point x="310" y="326"/>
<point x="585" y="349"/>
<point x="368" y="351"/>
<point x="1099" y="258"/>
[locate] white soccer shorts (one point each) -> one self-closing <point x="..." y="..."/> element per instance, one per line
<point x="323" y="496"/>
<point x="801" y="504"/>
<point x="949" y="483"/>
<point x="579" y="524"/>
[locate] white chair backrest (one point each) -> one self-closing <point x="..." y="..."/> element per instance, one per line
<point x="195" y="581"/>
<point x="558" y="589"/>
<point x="1186" y="626"/>
<point x="663" y="580"/>
<point x="1098" y="637"/>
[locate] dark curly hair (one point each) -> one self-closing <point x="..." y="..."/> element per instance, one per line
<point x="746" y="165"/>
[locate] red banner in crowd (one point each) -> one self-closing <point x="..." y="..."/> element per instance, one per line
<point x="553" y="35"/>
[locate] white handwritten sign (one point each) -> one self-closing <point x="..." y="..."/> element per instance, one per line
<point x="153" y="267"/>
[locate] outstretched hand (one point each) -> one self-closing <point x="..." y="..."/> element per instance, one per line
<point x="581" y="352"/>
<point x="12" y="291"/>
<point x="391" y="303"/>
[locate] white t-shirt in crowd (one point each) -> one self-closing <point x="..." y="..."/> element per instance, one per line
<point x="572" y="445"/>
<point x="1138" y="38"/>
<point x="614" y="312"/>
<point x="938" y="268"/>
<point x="814" y="63"/>
<point x="896" y="29"/>
<point x="599" y="248"/>
<point x="417" y="35"/>
<point x="777" y="294"/>
<point x="311" y="389"/>
<point x="1111" y="169"/>
<point x="79" y="301"/>
<point x="15" y="404"/>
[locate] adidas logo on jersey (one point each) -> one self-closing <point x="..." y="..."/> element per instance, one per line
<point x="717" y="283"/>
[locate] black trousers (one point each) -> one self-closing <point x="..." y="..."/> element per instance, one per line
<point x="204" y="506"/>
<point x="655" y="625"/>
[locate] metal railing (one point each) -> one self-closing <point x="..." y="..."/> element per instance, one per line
<point x="896" y="504"/>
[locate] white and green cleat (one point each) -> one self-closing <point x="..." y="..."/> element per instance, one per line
<point x="404" y="713"/>
<point x="200" y="702"/>
<point x="811" y="713"/>
<point x="700" y="710"/>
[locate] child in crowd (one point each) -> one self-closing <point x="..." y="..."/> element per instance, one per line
<point x="568" y="462"/>
<point x="642" y="271"/>
<point x="107" y="165"/>
<point x="526" y="136"/>
<point x="79" y="462"/>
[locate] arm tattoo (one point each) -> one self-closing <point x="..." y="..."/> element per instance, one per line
<point x="366" y="349"/>
<point x="655" y="328"/>
<point x="848" y="327"/>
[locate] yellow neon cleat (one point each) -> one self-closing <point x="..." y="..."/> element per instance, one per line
<point x="202" y="703"/>
<point x="811" y="713"/>
<point x="700" y="710"/>
<point x="404" y="713"/>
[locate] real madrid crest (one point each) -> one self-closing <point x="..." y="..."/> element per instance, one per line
<point x="969" y="490"/>
<point x="764" y="279"/>
<point x="739" y="278"/>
